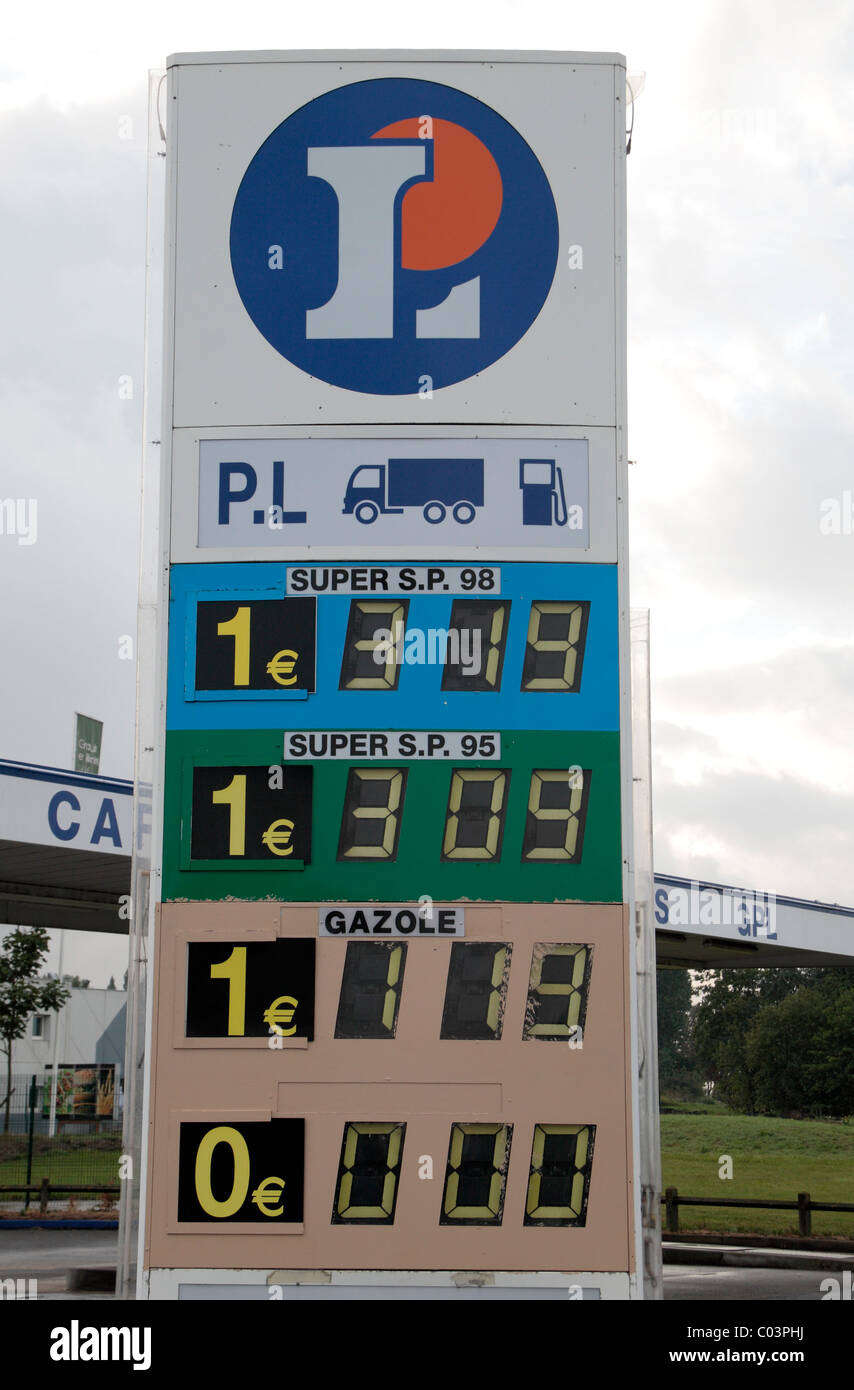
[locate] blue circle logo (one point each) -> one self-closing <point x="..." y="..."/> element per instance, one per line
<point x="394" y="236"/>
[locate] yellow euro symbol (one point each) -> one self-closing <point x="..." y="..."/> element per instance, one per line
<point x="281" y="666"/>
<point x="277" y="838"/>
<point x="281" y="1010"/>
<point x="264" y="1199"/>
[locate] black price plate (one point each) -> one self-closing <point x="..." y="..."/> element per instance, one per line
<point x="249" y="1171"/>
<point x="255" y="647"/>
<point x="250" y="817"/>
<point x="254" y="989"/>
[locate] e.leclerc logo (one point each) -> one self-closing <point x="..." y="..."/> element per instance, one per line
<point x="392" y="232"/>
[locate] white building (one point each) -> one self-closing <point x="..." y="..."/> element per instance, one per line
<point x="91" y="1028"/>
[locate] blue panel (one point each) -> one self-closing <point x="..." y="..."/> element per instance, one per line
<point x="418" y="702"/>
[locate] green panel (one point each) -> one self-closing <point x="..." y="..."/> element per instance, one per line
<point x="418" y="868"/>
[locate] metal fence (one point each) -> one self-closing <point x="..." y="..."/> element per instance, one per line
<point x="804" y="1206"/>
<point x="75" y="1167"/>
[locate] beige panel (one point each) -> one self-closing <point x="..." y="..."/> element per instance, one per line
<point x="391" y="1098"/>
<point x="417" y="1077"/>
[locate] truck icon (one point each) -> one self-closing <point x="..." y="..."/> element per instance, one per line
<point x="434" y="485"/>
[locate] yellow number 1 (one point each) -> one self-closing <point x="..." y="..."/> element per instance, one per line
<point x="234" y="796"/>
<point x="233" y="969"/>
<point x="238" y="627"/>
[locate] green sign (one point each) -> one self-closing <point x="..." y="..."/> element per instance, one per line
<point x="87" y="744"/>
<point x="539" y="823"/>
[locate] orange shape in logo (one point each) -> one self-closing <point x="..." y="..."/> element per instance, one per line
<point x="449" y="218"/>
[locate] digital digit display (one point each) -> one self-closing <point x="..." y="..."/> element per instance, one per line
<point x="366" y="1190"/>
<point x="370" y="990"/>
<point x="373" y="805"/>
<point x="559" y="1182"/>
<point x="251" y="814"/>
<point x="476" y="1173"/>
<point x="374" y="644"/>
<point x="250" y="990"/>
<point x="476" y="641"/>
<point x="477" y="987"/>
<point x="554" y="652"/>
<point x="255" y="644"/>
<point x="249" y="1171"/>
<point x="557" y="812"/>
<point x="477" y="805"/>
<point x="557" y="991"/>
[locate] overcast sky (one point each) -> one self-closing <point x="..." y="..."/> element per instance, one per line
<point x="741" y="203"/>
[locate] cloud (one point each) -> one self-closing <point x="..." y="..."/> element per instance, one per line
<point x="752" y="770"/>
<point x="72" y="281"/>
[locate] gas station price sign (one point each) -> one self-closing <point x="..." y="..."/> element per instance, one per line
<point x="448" y="733"/>
<point x="394" y="950"/>
<point x="540" y="651"/>
<point x="403" y="1038"/>
<point x="540" y="826"/>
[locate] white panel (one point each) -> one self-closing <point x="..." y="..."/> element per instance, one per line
<point x="500" y="537"/>
<point x="274" y="1285"/>
<point x="61" y="812"/>
<point x="400" y="492"/>
<point x="560" y="371"/>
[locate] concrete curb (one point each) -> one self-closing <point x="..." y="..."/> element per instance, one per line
<point x="827" y="1245"/>
<point x="752" y="1258"/>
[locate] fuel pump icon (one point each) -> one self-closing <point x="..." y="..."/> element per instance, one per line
<point x="543" y="497"/>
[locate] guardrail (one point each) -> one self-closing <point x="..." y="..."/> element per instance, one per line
<point x="804" y="1206"/>
<point x="46" y="1188"/>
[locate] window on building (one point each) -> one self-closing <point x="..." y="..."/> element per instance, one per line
<point x="41" y="1025"/>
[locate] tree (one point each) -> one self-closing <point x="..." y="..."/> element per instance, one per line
<point x="112" y="983"/>
<point x="75" y="981"/>
<point x="778" y="1041"/>
<point x="721" y="1024"/>
<point x="23" y="992"/>
<point x="802" y="1053"/>
<point x="675" y="1061"/>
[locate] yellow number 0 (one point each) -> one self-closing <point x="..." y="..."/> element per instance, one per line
<point x="222" y="1134"/>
